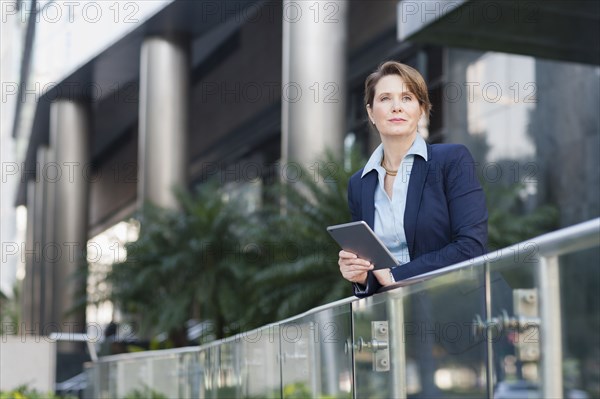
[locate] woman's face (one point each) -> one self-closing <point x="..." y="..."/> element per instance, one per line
<point x="395" y="110"/>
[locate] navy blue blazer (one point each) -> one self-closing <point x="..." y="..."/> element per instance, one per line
<point x="445" y="218"/>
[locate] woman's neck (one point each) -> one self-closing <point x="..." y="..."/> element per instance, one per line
<point x="395" y="148"/>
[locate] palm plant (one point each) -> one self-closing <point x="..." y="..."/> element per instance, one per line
<point x="184" y="265"/>
<point x="10" y="310"/>
<point x="296" y="258"/>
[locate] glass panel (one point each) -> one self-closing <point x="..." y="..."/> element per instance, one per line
<point x="97" y="377"/>
<point x="259" y="366"/>
<point x="315" y="360"/>
<point x="207" y="372"/>
<point x="131" y="376"/>
<point x="515" y="350"/>
<point x="227" y="378"/>
<point x="334" y="334"/>
<point x="163" y="376"/>
<point x="368" y="383"/>
<point x="113" y="369"/>
<point x="190" y="376"/>
<point x="580" y="305"/>
<point x="444" y="356"/>
<point x="103" y="389"/>
<point x="433" y="349"/>
<point x="297" y="353"/>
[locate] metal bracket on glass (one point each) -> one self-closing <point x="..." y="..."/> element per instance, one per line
<point x="378" y="344"/>
<point x="526" y="322"/>
<point x="525" y="304"/>
<point x="506" y="322"/>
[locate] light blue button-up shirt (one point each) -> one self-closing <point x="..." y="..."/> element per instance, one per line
<point x="389" y="213"/>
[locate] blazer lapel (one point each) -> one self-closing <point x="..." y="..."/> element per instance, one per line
<point x="369" y="183"/>
<point x="413" y="198"/>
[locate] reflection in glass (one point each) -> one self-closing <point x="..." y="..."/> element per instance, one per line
<point x="441" y="338"/>
<point x="259" y="363"/>
<point x="315" y="355"/>
<point x="516" y="351"/>
<point x="580" y="305"/>
<point x="369" y="383"/>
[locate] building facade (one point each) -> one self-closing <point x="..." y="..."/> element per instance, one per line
<point x="226" y="90"/>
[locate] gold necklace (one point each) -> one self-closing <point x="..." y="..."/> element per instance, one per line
<point x="387" y="171"/>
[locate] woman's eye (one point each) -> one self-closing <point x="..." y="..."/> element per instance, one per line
<point x="384" y="98"/>
<point x="407" y="98"/>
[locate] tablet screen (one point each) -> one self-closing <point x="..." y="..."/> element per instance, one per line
<point x="358" y="238"/>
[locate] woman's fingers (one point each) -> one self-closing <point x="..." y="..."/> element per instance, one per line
<point x="353" y="268"/>
<point x="350" y="260"/>
<point x="355" y="265"/>
<point x="347" y="255"/>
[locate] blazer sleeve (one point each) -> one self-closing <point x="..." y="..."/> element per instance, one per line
<point x="468" y="218"/>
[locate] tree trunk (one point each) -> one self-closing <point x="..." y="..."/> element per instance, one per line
<point x="178" y="336"/>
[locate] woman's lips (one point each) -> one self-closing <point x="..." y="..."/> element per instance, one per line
<point x="397" y="120"/>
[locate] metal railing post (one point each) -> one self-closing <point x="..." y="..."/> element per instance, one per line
<point x="489" y="369"/>
<point x="548" y="275"/>
<point x="397" y="345"/>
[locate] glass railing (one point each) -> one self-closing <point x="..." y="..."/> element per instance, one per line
<point x="521" y="322"/>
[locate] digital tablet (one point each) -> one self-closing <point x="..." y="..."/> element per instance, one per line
<point x="358" y="238"/>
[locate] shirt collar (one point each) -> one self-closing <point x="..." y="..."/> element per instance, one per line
<point x="418" y="147"/>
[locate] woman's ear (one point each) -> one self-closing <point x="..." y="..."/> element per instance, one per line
<point x="370" y="114"/>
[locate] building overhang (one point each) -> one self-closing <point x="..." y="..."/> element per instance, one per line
<point x="109" y="81"/>
<point x="553" y="29"/>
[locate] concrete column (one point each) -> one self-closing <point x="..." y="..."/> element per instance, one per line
<point x="49" y="178"/>
<point x="69" y="139"/>
<point x="33" y="294"/>
<point x="163" y="119"/>
<point x="313" y="79"/>
<point x="27" y="296"/>
<point x="43" y="205"/>
<point x="38" y="260"/>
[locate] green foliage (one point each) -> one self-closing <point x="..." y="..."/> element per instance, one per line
<point x="299" y="268"/>
<point x="298" y="390"/>
<point x="9" y="309"/>
<point x="509" y="223"/>
<point x="24" y="392"/>
<point x="182" y="266"/>
<point x="210" y="261"/>
<point x="144" y="393"/>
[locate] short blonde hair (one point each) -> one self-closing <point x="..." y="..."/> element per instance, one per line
<point x="413" y="79"/>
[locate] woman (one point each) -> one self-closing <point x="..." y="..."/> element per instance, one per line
<point x="423" y="201"/>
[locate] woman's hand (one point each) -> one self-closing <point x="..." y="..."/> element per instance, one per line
<point x="353" y="268"/>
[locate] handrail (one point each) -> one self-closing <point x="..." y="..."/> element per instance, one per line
<point x="568" y="239"/>
<point x="571" y="238"/>
<point x="547" y="248"/>
<point x="233" y="338"/>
